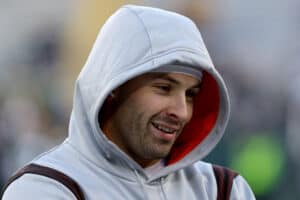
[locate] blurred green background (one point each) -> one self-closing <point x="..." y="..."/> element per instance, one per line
<point x="254" y="44"/>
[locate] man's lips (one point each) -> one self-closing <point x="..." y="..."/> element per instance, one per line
<point x="164" y="131"/>
<point x="166" y="128"/>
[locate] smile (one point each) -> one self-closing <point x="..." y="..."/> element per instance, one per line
<point x="165" y="129"/>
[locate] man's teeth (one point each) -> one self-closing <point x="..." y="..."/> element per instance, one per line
<point x="164" y="129"/>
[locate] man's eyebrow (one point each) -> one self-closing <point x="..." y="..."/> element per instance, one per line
<point x="197" y="86"/>
<point x="170" y="79"/>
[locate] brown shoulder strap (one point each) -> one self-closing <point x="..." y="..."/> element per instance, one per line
<point x="224" y="178"/>
<point x="50" y="173"/>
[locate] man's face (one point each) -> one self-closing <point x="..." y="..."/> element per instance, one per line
<point x="151" y="111"/>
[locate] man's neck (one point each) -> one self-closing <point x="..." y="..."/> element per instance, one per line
<point x="145" y="163"/>
<point x="153" y="169"/>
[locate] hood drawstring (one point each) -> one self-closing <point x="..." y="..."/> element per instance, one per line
<point x="162" y="188"/>
<point x="142" y="184"/>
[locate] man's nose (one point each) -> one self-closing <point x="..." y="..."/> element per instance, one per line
<point x="180" y="109"/>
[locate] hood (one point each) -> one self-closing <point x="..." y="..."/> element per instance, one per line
<point x="133" y="41"/>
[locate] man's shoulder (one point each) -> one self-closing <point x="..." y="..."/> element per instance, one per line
<point x="209" y="171"/>
<point x="229" y="183"/>
<point x="33" y="186"/>
<point x="201" y="172"/>
<point x="202" y="167"/>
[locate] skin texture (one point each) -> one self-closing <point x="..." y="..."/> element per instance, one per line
<point x="148" y="113"/>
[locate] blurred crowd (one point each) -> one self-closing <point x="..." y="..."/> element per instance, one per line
<point x="254" y="44"/>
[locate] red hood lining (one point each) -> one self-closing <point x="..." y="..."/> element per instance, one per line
<point x="205" y="114"/>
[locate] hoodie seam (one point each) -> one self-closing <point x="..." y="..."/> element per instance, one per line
<point x="160" y="55"/>
<point x="145" y="28"/>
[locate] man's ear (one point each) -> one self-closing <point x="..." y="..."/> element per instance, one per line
<point x="106" y="110"/>
<point x="114" y="93"/>
<point x="109" y="107"/>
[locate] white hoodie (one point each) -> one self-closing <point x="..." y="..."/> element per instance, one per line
<point x="133" y="41"/>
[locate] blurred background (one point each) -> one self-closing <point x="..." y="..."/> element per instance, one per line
<point x="254" y="44"/>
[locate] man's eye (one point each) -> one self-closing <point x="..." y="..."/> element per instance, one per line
<point x="164" y="88"/>
<point x="190" y="94"/>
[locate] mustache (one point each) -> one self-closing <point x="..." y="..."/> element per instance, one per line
<point x="169" y="120"/>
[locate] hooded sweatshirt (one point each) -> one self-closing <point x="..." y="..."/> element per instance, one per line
<point x="136" y="40"/>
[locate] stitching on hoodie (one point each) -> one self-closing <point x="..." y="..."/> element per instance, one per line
<point x="125" y="69"/>
<point x="145" y="28"/>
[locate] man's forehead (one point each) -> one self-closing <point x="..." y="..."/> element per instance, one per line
<point x="176" y="78"/>
<point x="180" y="78"/>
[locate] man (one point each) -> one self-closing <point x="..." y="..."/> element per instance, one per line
<point x="148" y="106"/>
